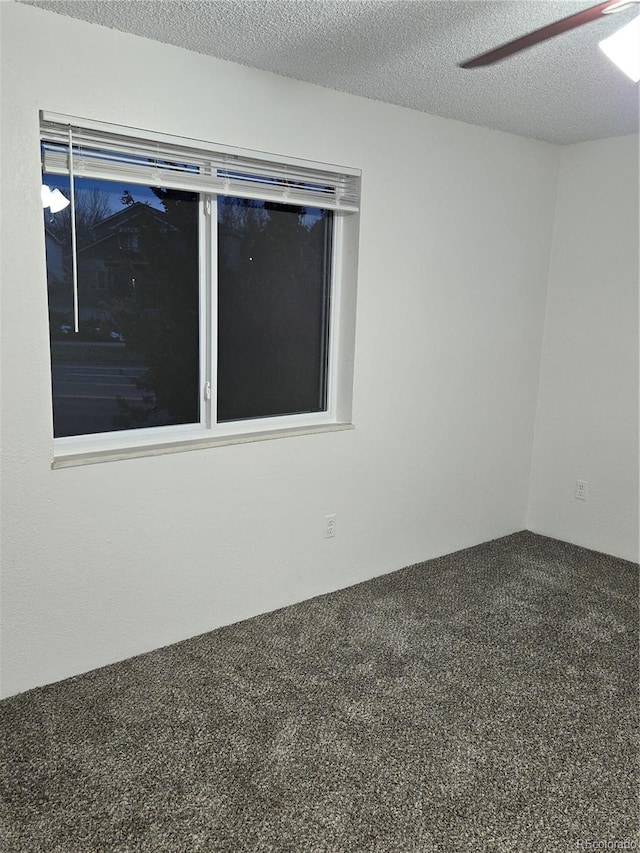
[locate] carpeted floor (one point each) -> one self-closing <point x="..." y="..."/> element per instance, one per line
<point x="483" y="701"/>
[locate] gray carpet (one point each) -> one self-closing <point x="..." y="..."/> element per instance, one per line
<point x="483" y="701"/>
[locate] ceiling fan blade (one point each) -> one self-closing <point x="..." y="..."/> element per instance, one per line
<point x="542" y="34"/>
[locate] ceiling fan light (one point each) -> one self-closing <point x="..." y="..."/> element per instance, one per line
<point x="58" y="202"/>
<point x="623" y="49"/>
<point x="53" y="199"/>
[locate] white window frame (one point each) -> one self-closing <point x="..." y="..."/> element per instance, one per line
<point x="82" y="449"/>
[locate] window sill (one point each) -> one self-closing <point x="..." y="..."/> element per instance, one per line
<point x="95" y="457"/>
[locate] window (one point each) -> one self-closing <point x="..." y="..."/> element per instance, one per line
<point x="196" y="293"/>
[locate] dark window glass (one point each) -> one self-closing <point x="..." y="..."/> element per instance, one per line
<point x="273" y="308"/>
<point x="135" y="360"/>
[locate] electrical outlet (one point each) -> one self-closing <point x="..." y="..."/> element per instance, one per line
<point x="329" y="526"/>
<point x="581" y="490"/>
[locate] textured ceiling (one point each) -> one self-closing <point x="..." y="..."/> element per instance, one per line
<point x="407" y="53"/>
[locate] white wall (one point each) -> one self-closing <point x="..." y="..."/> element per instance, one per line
<point x="587" y="423"/>
<point x="105" y="561"/>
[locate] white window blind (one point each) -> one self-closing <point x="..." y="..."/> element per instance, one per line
<point x="110" y="152"/>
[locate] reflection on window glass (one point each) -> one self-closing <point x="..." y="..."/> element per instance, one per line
<point x="135" y="360"/>
<point x="273" y="308"/>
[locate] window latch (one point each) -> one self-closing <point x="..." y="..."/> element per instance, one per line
<point x="207" y="390"/>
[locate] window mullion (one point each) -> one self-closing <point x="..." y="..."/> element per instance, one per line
<point x="335" y="302"/>
<point x="203" y="263"/>
<point x="212" y="291"/>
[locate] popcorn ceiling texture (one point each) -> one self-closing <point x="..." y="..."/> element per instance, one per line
<point x="406" y="53"/>
<point x="482" y="701"/>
